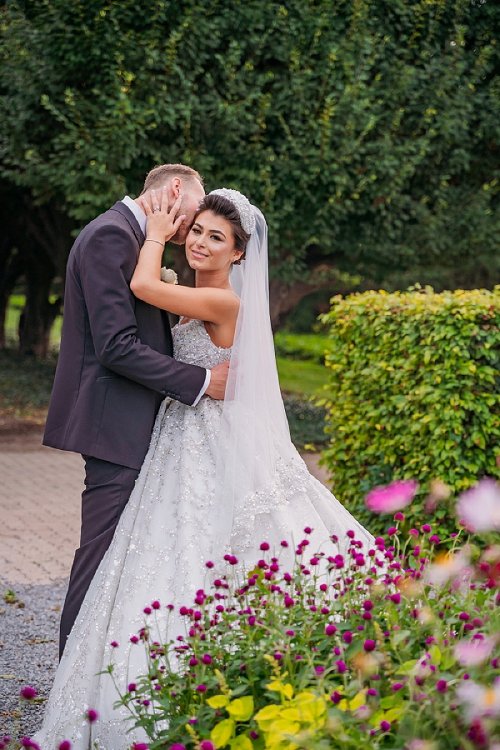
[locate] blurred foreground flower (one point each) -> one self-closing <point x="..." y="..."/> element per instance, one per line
<point x="472" y="653"/>
<point x="448" y="565"/>
<point x="479" y="701"/>
<point x="480" y="506"/>
<point x="393" y="497"/>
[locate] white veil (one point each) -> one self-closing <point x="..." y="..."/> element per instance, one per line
<point x="254" y="431"/>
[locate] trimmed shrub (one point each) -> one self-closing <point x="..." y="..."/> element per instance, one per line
<point x="414" y="392"/>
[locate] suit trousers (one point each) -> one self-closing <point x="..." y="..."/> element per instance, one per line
<point x="108" y="487"/>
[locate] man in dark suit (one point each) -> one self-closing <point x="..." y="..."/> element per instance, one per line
<point x="115" y="367"/>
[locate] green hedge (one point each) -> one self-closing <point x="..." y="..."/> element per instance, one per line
<point x="309" y="346"/>
<point x="414" y="393"/>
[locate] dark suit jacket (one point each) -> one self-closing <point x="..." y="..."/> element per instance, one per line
<point x="115" y="364"/>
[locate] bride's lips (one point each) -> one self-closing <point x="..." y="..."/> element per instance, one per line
<point x="197" y="254"/>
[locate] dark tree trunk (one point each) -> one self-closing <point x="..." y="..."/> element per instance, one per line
<point x="9" y="274"/>
<point x="39" y="313"/>
<point x="283" y="298"/>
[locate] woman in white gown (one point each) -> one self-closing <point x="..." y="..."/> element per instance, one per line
<point x="217" y="478"/>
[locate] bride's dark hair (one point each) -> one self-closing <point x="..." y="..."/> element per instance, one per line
<point x="221" y="206"/>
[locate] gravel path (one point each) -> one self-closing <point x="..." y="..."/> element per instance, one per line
<point x="28" y="651"/>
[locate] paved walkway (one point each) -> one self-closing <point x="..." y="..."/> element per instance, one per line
<point x="40" y="492"/>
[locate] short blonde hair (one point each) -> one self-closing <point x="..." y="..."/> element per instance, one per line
<point x="164" y="172"/>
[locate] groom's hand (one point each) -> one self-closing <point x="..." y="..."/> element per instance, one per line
<point x="218" y="380"/>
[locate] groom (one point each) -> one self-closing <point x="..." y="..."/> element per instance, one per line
<point x="115" y="368"/>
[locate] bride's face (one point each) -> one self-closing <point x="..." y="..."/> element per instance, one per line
<point x="210" y="243"/>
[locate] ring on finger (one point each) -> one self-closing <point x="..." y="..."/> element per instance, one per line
<point x="156" y="208"/>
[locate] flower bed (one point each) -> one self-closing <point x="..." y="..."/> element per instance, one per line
<point x="392" y="647"/>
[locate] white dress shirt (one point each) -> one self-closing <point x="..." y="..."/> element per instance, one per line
<point x="141" y="220"/>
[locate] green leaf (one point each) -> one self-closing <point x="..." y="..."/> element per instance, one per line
<point x="223" y="732"/>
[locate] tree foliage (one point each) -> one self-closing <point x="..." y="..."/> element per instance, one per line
<point x="367" y="130"/>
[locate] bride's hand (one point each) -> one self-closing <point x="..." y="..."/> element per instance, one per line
<point x="162" y="224"/>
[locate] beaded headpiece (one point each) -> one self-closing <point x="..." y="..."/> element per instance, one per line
<point x="242" y="204"/>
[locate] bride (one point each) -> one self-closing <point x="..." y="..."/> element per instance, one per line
<point x="217" y="478"/>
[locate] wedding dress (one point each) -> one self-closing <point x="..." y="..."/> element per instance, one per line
<point x="163" y="540"/>
<point x="218" y="477"/>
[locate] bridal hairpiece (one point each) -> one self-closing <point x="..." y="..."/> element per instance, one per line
<point x="245" y="208"/>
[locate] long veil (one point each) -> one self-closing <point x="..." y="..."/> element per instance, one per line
<point x="254" y="432"/>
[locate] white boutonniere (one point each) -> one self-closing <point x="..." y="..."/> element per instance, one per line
<point x="169" y="276"/>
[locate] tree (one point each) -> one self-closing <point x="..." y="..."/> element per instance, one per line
<point x="367" y="130"/>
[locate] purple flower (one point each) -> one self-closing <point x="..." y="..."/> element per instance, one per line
<point x="463" y="616"/>
<point x="307" y="530"/>
<point x="393" y="497"/>
<point x="284" y="544"/>
<point x="132" y="687"/>
<point x="28" y="693"/>
<point x="442" y="686"/>
<point x="64" y="745"/>
<point x="207" y="745"/>
<point x="319" y="670"/>
<point x="330" y="629"/>
<point x="206" y="659"/>
<point x="91" y="716"/>
<point x="114" y="644"/>
<point x="155" y="604"/>
<point x="392" y="530"/>
<point x="335" y="697"/>
<point x="209" y="564"/>
<point x="254" y="735"/>
<point x="184" y="610"/>
<point x="371" y="691"/>
<point x="147" y="610"/>
<point x="290" y="632"/>
<point x="233" y="560"/>
<point x="264" y="546"/>
<point x="26" y="742"/>
<point x="177" y="746"/>
<point x="413" y="532"/>
<point x="201" y="688"/>
<point x="397" y="686"/>
<point x="426" y="528"/>
<point x="434" y="539"/>
<point x="347" y="637"/>
<point x="368" y="605"/>
<point x="251" y="620"/>
<point x="399" y="516"/>
<point x="140" y="746"/>
<point x="385" y="726"/>
<point x="193" y="661"/>
<point x="396" y="598"/>
<point x="341" y="666"/>
<point x="289" y="602"/>
<point x="369" y="645"/>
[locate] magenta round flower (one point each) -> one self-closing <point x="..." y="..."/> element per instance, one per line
<point x="28" y="693"/>
<point x="206" y="659"/>
<point x="330" y="629"/>
<point x="307" y="530"/>
<point x="284" y="543"/>
<point x="184" y="611"/>
<point x="64" y="745"/>
<point x="140" y="746"/>
<point x="385" y="726"/>
<point x="396" y="598"/>
<point x="319" y="670"/>
<point x="114" y="644"/>
<point x="347" y="637"/>
<point x="201" y="688"/>
<point x="233" y="560"/>
<point x="289" y="602"/>
<point x="434" y="539"/>
<point x="426" y="527"/>
<point x="335" y="697"/>
<point x="397" y="686"/>
<point x="209" y="564"/>
<point x="254" y="735"/>
<point x="177" y="746"/>
<point x="147" y="610"/>
<point x="155" y="604"/>
<point x="91" y="715"/>
<point x="264" y="546"/>
<point x="290" y="632"/>
<point x="207" y="745"/>
<point x="369" y="645"/>
<point x="341" y="666"/>
<point x="26" y="742"/>
<point x="132" y="687"/>
<point x="392" y="530"/>
<point x="393" y="497"/>
<point x="414" y="533"/>
<point x="399" y="516"/>
<point x="442" y="686"/>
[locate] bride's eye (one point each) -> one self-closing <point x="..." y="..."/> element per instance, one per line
<point x="215" y="237"/>
<point x="195" y="230"/>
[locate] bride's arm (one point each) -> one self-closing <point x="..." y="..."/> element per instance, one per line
<point x="209" y="304"/>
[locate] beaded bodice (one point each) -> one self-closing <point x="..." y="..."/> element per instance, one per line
<point x="193" y="345"/>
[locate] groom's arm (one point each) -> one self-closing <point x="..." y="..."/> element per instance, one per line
<point x="107" y="263"/>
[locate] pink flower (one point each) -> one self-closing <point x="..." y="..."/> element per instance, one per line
<point x="385" y="726"/>
<point x="156" y="604"/>
<point x="264" y="546"/>
<point x="480" y="506"/>
<point x="442" y="686"/>
<point x="399" y="516"/>
<point x="114" y="644"/>
<point x="479" y="701"/>
<point x="207" y="745"/>
<point x="206" y="659"/>
<point x="330" y="629"/>
<point x="369" y="645"/>
<point x="64" y="745"/>
<point x="177" y="746"/>
<point x="341" y="666"/>
<point x="209" y="564"/>
<point x="28" y="693"/>
<point x="472" y="653"/>
<point x="426" y="528"/>
<point x="132" y="687"/>
<point x="26" y="742"/>
<point x="307" y="530"/>
<point x="140" y="746"/>
<point x="335" y="697"/>
<point x="201" y="688"/>
<point x="91" y="715"/>
<point x="393" y="497"/>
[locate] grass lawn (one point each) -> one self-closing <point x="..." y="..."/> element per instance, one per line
<point x="16" y="304"/>
<point x="301" y="377"/>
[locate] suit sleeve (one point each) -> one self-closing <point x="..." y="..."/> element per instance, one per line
<point x="106" y="266"/>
